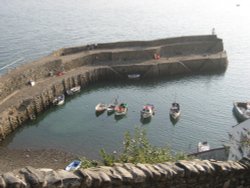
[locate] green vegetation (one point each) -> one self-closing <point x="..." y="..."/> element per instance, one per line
<point x="136" y="149"/>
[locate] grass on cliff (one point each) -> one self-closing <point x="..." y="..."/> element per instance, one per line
<point x="136" y="149"/>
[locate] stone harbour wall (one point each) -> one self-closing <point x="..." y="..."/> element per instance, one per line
<point x="29" y="108"/>
<point x="120" y="53"/>
<point x="180" y="174"/>
<point x="142" y="44"/>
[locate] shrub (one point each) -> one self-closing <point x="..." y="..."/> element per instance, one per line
<point x="136" y="149"/>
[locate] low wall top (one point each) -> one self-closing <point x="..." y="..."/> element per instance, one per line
<point x="196" y="173"/>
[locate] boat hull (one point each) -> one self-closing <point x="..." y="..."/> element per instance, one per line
<point x="121" y="113"/>
<point x="175" y="111"/>
<point x="121" y="109"/>
<point x="146" y="115"/>
<point x="148" y="111"/>
<point x="59" y="100"/>
<point x="73" y="90"/>
<point x="203" y="146"/>
<point x="73" y="165"/>
<point x="111" y="109"/>
<point x="241" y="111"/>
<point x="100" y="107"/>
<point x="134" y="76"/>
<point x="175" y="115"/>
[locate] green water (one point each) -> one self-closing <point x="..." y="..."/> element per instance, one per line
<point x="74" y="127"/>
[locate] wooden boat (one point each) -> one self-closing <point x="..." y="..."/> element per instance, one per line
<point x="175" y="110"/>
<point x="111" y="107"/>
<point x="74" y="165"/>
<point x="133" y="76"/>
<point x="242" y="110"/>
<point x="121" y="109"/>
<point x="100" y="107"/>
<point x="147" y="111"/>
<point x="59" y="100"/>
<point x="203" y="146"/>
<point x="73" y="90"/>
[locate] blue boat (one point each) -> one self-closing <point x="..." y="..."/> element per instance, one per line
<point x="76" y="164"/>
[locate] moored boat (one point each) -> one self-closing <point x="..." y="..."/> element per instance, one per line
<point x="203" y="146"/>
<point x="59" y="100"/>
<point x="147" y="111"/>
<point x="73" y="90"/>
<point x="74" y="165"/>
<point x="100" y="107"/>
<point x="121" y="109"/>
<point x="111" y="107"/>
<point x="133" y="76"/>
<point x="242" y="110"/>
<point x="175" y="110"/>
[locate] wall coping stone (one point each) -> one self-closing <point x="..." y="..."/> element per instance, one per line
<point x="194" y="173"/>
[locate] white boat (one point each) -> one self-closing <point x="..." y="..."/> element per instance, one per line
<point x="100" y="107"/>
<point x="175" y="110"/>
<point x="74" y="165"/>
<point x="59" y="100"/>
<point x="111" y="107"/>
<point x="133" y="76"/>
<point x="73" y="90"/>
<point x="242" y="110"/>
<point x="121" y="109"/>
<point x="32" y="82"/>
<point x="203" y="146"/>
<point x="147" y="111"/>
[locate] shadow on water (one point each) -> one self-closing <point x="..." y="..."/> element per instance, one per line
<point x="118" y="118"/>
<point x="145" y="121"/>
<point x="149" y="82"/>
<point x="236" y="117"/>
<point x="97" y="114"/>
<point x="174" y="121"/>
<point x="109" y="113"/>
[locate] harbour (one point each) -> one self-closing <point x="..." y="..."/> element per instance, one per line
<point x="25" y="41"/>
<point x="74" y="127"/>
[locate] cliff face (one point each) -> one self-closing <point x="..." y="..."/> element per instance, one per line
<point x="84" y="65"/>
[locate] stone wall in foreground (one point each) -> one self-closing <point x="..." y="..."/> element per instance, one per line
<point x="193" y="174"/>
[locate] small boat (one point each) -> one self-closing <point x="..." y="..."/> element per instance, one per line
<point x="100" y="107"/>
<point x="73" y="90"/>
<point x="59" y="100"/>
<point x="32" y="82"/>
<point x="121" y="109"/>
<point x="242" y="110"/>
<point x="147" y="111"/>
<point x="175" y="110"/>
<point x="133" y="76"/>
<point x="111" y="107"/>
<point x="203" y="146"/>
<point x="74" y="165"/>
